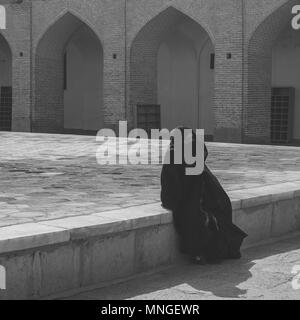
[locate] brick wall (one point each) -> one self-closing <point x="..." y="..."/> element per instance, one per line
<point x="17" y="36"/>
<point x="229" y="71"/>
<point x="242" y="33"/>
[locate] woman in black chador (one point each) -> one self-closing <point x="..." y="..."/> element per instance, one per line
<point x="202" y="211"/>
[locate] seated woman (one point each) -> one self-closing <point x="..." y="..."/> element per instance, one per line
<point x="202" y="211"/>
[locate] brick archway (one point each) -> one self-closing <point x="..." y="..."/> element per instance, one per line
<point x="145" y="48"/>
<point x="5" y="85"/>
<point x="257" y="112"/>
<point x="61" y="80"/>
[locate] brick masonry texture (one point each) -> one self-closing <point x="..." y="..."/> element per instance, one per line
<point x="130" y="32"/>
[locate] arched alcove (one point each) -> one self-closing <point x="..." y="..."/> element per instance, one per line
<point x="171" y="66"/>
<point x="68" y="78"/>
<point x="272" y="62"/>
<point x="286" y="69"/>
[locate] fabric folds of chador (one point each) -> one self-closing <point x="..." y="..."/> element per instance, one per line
<point x="181" y="193"/>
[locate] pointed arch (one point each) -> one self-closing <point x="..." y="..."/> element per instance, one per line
<point x="259" y="72"/>
<point x="68" y="77"/>
<point x="152" y="49"/>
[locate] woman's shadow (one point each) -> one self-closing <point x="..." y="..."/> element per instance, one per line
<point x="228" y="279"/>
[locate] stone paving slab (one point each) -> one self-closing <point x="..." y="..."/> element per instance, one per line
<point x="264" y="272"/>
<point x="46" y="177"/>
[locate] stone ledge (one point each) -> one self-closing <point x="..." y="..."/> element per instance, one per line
<point x="33" y="235"/>
<point x="81" y="227"/>
<point x="114" y="221"/>
<point x="141" y="216"/>
<point x="30" y="235"/>
<point x="263" y="195"/>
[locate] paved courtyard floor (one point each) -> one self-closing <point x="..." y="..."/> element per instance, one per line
<point x="46" y="177"/>
<point x="264" y="272"/>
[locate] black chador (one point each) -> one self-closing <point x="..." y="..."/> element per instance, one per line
<point x="202" y="211"/>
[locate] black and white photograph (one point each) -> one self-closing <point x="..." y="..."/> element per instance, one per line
<point x="149" y="151"/>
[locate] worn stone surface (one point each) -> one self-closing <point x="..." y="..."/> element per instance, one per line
<point x="89" y="226"/>
<point x="30" y="235"/>
<point x="256" y="222"/>
<point x="264" y="272"/>
<point x="108" y="258"/>
<point x="46" y="177"/>
<point x="285" y="217"/>
<point x="140" y="216"/>
<point x="37" y="273"/>
<point x="154" y="247"/>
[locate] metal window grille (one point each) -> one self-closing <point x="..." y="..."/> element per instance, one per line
<point x="148" y="117"/>
<point x="5" y="108"/>
<point x="282" y="111"/>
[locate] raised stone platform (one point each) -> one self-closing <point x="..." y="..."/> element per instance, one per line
<point x="82" y="245"/>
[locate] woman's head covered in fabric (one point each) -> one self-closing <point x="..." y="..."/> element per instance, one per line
<point x="182" y="138"/>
